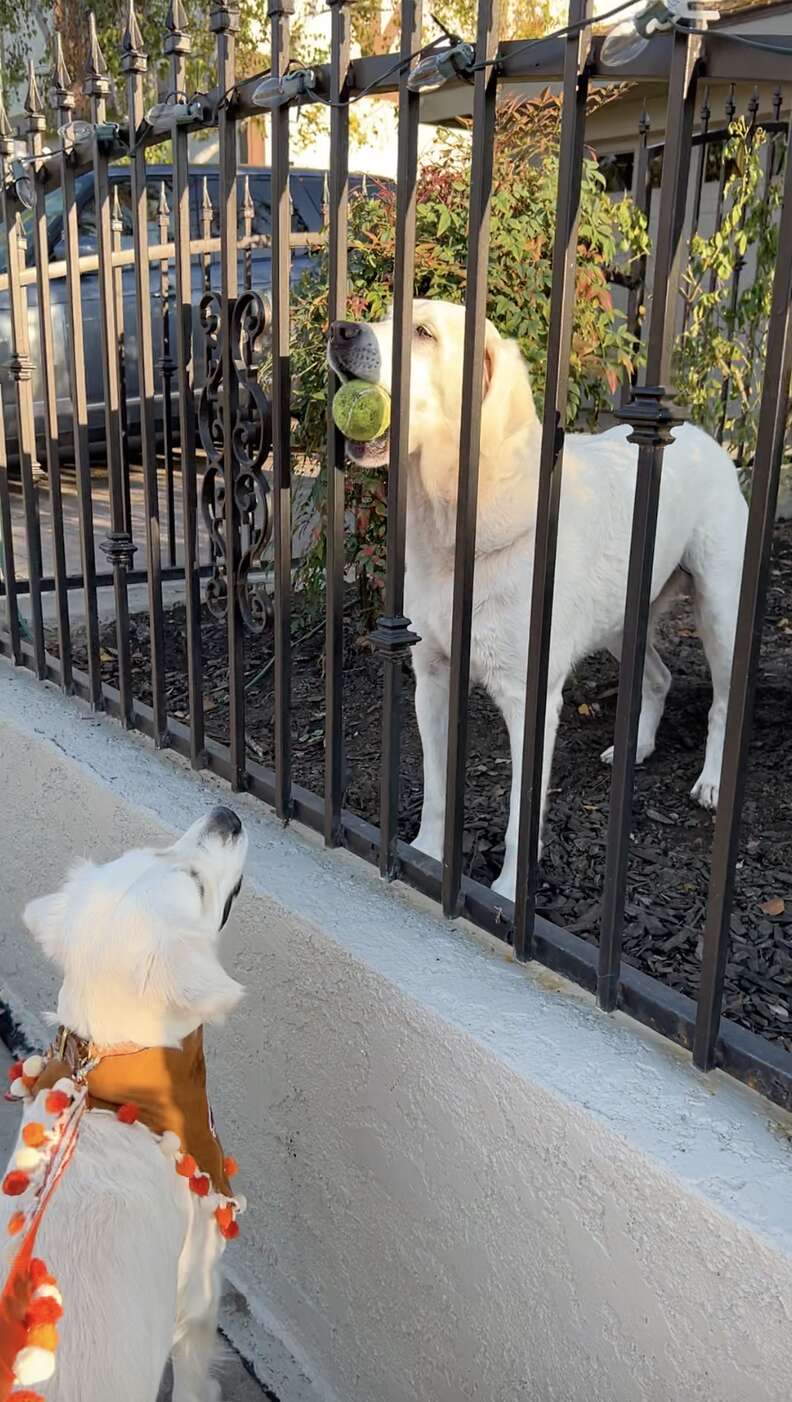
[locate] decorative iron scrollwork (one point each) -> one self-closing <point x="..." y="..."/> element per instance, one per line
<point x="242" y="411"/>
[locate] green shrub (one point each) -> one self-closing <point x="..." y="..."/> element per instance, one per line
<point x="725" y="339"/>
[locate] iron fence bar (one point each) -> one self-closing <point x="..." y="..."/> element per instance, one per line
<point x="62" y="101"/>
<point x="701" y="164"/>
<point x="642" y="198"/>
<point x="118" y="546"/>
<point x="21" y="367"/>
<point x="714" y="135"/>
<point x="698" y="186"/>
<point x="279" y="12"/>
<point x="748" y="641"/>
<point x="337" y="192"/>
<point x="772" y="130"/>
<point x="737" y="269"/>
<point x="134" y="65"/>
<point x="117" y="226"/>
<point x="393" y="636"/>
<point x="35" y="125"/>
<point x="224" y="23"/>
<point x="651" y="415"/>
<point x="7" y="562"/>
<point x="528" y="767"/>
<point x="206" y="214"/>
<point x="104" y="579"/>
<point x="205" y="217"/>
<point x="167" y="369"/>
<point x="178" y="45"/>
<point x="485" y="92"/>
<point x="730" y="108"/>
<point x="247" y="212"/>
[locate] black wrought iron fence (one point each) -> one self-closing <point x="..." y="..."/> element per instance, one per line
<point x="205" y="428"/>
<point x="709" y="165"/>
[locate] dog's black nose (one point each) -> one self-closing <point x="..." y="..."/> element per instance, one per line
<point x="225" y="823"/>
<point x="344" y="332"/>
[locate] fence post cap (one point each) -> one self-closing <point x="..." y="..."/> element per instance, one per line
<point x="224" y="18"/>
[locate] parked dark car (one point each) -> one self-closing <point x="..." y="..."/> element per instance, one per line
<point x="307" y="192"/>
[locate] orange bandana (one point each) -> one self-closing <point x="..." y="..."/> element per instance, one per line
<point x="166" y="1086"/>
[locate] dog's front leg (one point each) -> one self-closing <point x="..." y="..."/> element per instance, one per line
<point x="431" y="708"/>
<point x="511" y="700"/>
<point x="196" y="1341"/>
<point x="192" y="1360"/>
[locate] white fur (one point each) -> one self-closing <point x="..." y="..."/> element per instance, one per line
<point x="135" y="1253"/>
<point x="700" y="534"/>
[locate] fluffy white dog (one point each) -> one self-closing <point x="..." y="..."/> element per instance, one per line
<point x="700" y="538"/>
<point x="135" y="1252"/>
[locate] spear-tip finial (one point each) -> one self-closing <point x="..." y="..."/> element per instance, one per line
<point x="96" y="66"/>
<point x="132" y="41"/>
<point x="6" y="131"/>
<point x="61" y="79"/>
<point x="33" y="102"/>
<point x="176" y="18"/>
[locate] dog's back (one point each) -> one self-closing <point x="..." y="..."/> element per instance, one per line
<point x="136" y="1225"/>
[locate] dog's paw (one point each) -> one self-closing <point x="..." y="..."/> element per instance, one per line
<point x="642" y="752"/>
<point x="505" y="885"/>
<point x="705" y="792"/>
<point x="430" y="843"/>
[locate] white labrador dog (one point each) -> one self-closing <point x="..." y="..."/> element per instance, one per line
<point x="700" y="534"/>
<point x="135" y="1253"/>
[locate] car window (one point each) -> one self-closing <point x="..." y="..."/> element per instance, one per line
<point x="260" y="185"/>
<point x="86" y="220"/>
<point x="308" y="193"/>
<point x="261" y="194"/>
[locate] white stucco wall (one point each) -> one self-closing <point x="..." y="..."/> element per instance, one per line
<point x="465" y="1183"/>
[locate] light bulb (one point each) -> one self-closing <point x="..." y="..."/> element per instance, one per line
<point x="622" y="44"/>
<point x="166" y="113"/>
<point x="75" y="132"/>
<point x="628" y="39"/>
<point x="22" y="184"/>
<point x="275" y="92"/>
<point x="437" y="68"/>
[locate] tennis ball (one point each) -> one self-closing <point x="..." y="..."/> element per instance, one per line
<point x="361" y="410"/>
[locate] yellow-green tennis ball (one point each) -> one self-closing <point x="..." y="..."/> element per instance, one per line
<point x="362" y="411"/>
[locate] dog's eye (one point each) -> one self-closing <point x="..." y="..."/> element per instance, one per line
<point x="423" y="333"/>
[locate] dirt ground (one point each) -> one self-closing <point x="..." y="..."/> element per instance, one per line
<point x="671" y="835"/>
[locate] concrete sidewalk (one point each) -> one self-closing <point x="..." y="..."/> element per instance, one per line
<point x="237" y="1384"/>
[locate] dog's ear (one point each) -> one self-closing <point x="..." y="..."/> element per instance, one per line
<point x="46" y="916"/>
<point x="508" y="405"/>
<point x="183" y="973"/>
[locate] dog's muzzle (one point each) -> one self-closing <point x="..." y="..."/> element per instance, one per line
<point x="353" y="352"/>
<point x="224" y="823"/>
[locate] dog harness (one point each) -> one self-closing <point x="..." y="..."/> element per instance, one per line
<point x="161" y="1089"/>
